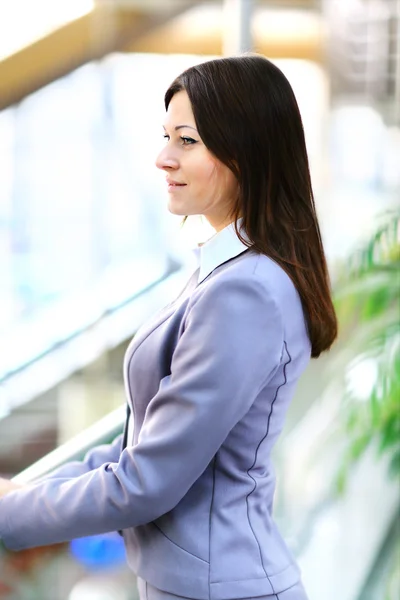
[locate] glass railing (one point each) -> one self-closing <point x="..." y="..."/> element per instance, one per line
<point x="75" y="570"/>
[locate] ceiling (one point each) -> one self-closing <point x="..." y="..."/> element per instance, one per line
<point x="167" y="26"/>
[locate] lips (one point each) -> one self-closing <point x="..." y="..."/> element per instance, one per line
<point x="174" y="186"/>
<point x="175" y="183"/>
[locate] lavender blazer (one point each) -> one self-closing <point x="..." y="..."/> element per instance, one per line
<point x="209" y="380"/>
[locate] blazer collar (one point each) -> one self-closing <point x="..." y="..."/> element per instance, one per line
<point x="221" y="247"/>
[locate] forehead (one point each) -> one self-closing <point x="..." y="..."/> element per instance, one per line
<point x="180" y="111"/>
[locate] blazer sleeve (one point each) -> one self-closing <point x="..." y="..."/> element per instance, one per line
<point x="93" y="459"/>
<point x="230" y="347"/>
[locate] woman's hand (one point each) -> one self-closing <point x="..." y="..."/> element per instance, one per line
<point x="7" y="486"/>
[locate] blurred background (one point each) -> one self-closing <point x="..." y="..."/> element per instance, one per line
<point x="88" y="251"/>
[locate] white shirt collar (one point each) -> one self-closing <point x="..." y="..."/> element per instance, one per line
<point x="221" y="247"/>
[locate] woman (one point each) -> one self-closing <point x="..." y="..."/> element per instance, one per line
<point x="210" y="378"/>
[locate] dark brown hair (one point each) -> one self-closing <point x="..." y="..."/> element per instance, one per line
<point x="247" y="116"/>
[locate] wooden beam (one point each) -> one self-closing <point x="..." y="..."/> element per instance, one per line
<point x="173" y="42"/>
<point x="205" y="37"/>
<point x="106" y="29"/>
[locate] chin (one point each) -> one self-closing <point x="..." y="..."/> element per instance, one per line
<point x="175" y="210"/>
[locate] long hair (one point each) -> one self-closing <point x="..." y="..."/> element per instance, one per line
<point x="248" y="118"/>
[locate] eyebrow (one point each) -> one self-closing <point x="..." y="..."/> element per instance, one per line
<point x="181" y="127"/>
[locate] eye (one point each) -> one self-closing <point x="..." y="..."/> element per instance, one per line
<point x="187" y="141"/>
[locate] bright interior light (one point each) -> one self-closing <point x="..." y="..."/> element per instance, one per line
<point x="288" y="24"/>
<point x="361" y="378"/>
<point x="267" y="23"/>
<point x="23" y="22"/>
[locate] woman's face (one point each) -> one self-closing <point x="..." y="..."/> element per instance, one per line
<point x="198" y="183"/>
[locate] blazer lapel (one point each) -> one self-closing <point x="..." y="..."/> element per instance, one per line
<point x="160" y="317"/>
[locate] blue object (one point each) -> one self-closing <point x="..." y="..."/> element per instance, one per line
<point x="99" y="551"/>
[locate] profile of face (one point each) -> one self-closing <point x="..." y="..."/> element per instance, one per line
<point x="198" y="183"/>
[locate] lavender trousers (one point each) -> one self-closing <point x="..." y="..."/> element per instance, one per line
<point x="148" y="592"/>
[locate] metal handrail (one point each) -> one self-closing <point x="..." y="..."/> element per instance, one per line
<point x="101" y="432"/>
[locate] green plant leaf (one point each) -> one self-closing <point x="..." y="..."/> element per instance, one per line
<point x="367" y="301"/>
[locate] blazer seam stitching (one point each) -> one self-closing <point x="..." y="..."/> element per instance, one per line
<point x="177" y="545"/>
<point x="259" y="578"/>
<point x="255" y="460"/>
<point x="209" y="526"/>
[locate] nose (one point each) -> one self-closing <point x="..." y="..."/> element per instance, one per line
<point x="166" y="160"/>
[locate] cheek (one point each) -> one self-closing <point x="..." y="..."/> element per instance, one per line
<point x="206" y="173"/>
<point x="211" y="175"/>
<point x="224" y="181"/>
